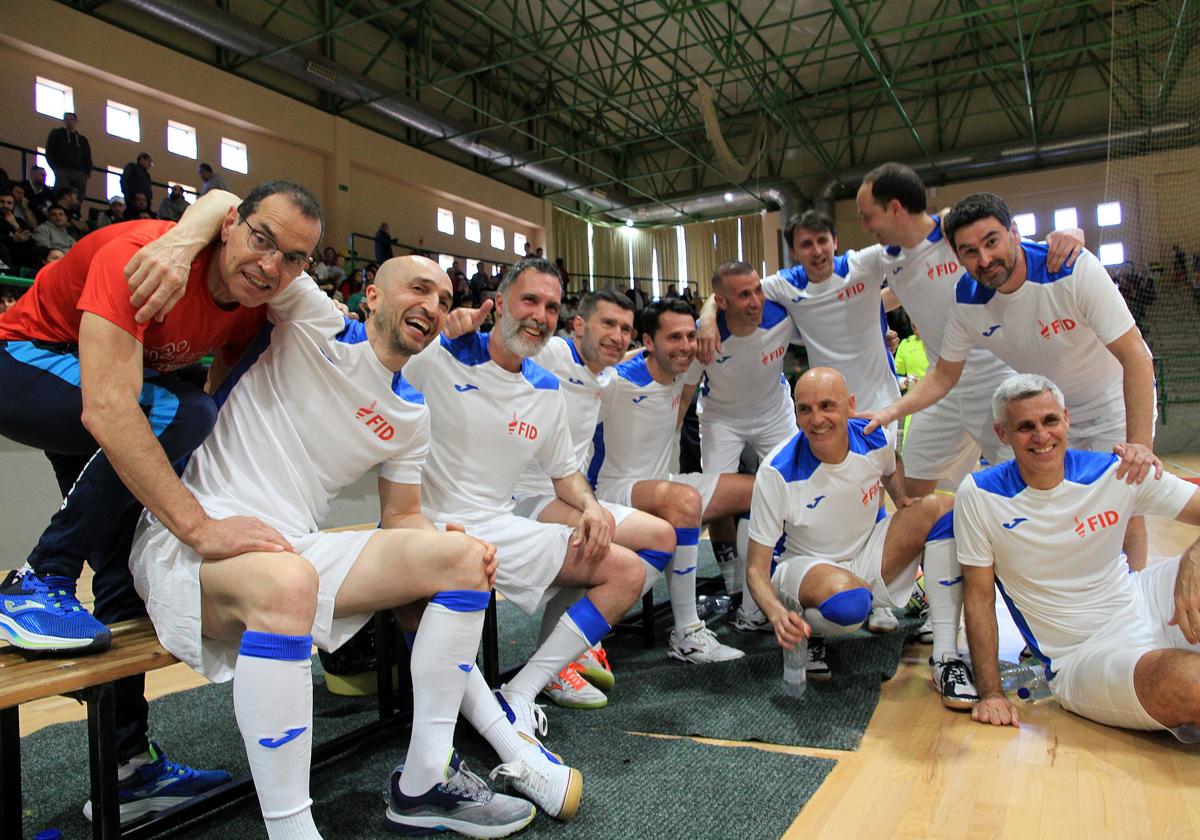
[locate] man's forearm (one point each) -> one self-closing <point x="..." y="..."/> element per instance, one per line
<point x="1137" y="383"/>
<point x="201" y="222"/>
<point x="983" y="640"/>
<point x="414" y="520"/>
<point x="758" y="578"/>
<point x="575" y="491"/>
<point x="937" y="383"/>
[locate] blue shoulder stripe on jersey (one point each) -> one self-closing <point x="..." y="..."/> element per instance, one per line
<point x="893" y="250"/>
<point x="1035" y="264"/>
<point x="935" y="235"/>
<point x="1085" y="467"/>
<point x="773" y="313"/>
<point x="1001" y="480"/>
<point x="796" y="275"/>
<point x="968" y="290"/>
<point x="538" y="376"/>
<point x="635" y="371"/>
<point x="470" y="349"/>
<point x="1026" y="631"/>
<point x="722" y="326"/>
<point x="860" y="443"/>
<point x="880" y="514"/>
<point x="943" y="529"/>
<point x="841" y="265"/>
<point x="354" y="332"/>
<point x="574" y="352"/>
<point x="593" y="470"/>
<point x="795" y="461"/>
<point x="404" y="389"/>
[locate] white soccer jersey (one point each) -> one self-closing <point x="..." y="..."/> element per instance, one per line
<point x="823" y="510"/>
<point x="843" y="325"/>
<point x="582" y="391"/>
<point x="321" y="406"/>
<point x="1056" y="324"/>
<point x="924" y="278"/>
<point x="490" y="423"/>
<point x="1057" y="552"/>
<point x="636" y="435"/>
<point x="745" y="382"/>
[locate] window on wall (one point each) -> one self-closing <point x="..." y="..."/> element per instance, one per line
<point x="233" y="156"/>
<point x="112" y="182"/>
<point x="42" y="162"/>
<point x="1108" y="214"/>
<point x="519" y="242"/>
<point x="1112" y="253"/>
<point x="471" y="229"/>
<point x="472" y="267"/>
<point x="445" y="261"/>
<point x="498" y="237"/>
<point x="1026" y="224"/>
<point x="52" y="98"/>
<point x="445" y="222"/>
<point x="181" y="139"/>
<point x="1066" y="217"/>
<point x="122" y="121"/>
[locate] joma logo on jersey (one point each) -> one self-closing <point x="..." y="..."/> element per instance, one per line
<point x="1096" y="522"/>
<point x="773" y="355"/>
<point x="374" y="421"/>
<point x="871" y="493"/>
<point x="941" y="269"/>
<point x="1058" y="325"/>
<point x="851" y="291"/>
<point x="520" y="428"/>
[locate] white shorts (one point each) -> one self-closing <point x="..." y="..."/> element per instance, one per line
<point x="722" y="441"/>
<point x="867" y="565"/>
<point x="946" y="440"/>
<point x="529" y="554"/>
<point x="621" y="492"/>
<point x="166" y="573"/>
<point x="1099" y="435"/>
<point x="1095" y="680"/>
<point x="531" y="507"/>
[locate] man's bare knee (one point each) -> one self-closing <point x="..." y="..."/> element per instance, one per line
<point x="284" y="597"/>
<point x="684" y="507"/>
<point x="824" y="581"/>
<point x="462" y="563"/>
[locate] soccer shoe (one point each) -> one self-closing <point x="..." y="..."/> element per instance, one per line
<point x="751" y="622"/>
<point x="924" y="634"/>
<point x="541" y="777"/>
<point x="882" y="620"/>
<point x="526" y="716"/>
<point x="571" y="691"/>
<point x="160" y="784"/>
<point x="43" y="614"/>
<point x="698" y="645"/>
<point x="817" y="668"/>
<point x="594" y="667"/>
<point x="951" y="678"/>
<point x="463" y="804"/>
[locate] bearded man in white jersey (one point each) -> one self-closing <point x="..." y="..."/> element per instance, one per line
<point x="1045" y="528"/>
<point x="1070" y="325"/>
<point x="631" y="465"/>
<point x="843" y="556"/>
<point x="744" y="401"/>
<point x="499" y="410"/>
<point x="317" y="403"/>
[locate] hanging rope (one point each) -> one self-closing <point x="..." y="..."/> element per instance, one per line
<point x="734" y="170"/>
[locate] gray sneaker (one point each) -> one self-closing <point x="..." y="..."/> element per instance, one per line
<point x="463" y="803"/>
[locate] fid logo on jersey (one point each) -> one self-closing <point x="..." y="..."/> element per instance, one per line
<point x="1058" y="325"/>
<point x="941" y="269"/>
<point x="520" y="428"/>
<point x="767" y="358"/>
<point x="374" y="421"/>
<point x="871" y="494"/>
<point x="851" y="291"/>
<point x="1096" y="522"/>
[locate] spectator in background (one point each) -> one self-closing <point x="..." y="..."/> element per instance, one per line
<point x="1137" y="288"/>
<point x="68" y="199"/>
<point x="357" y="290"/>
<point x="5" y="182"/>
<point x="21" y="208"/>
<point x="329" y="272"/>
<point x="209" y="180"/>
<point x="38" y="194"/>
<point x="479" y="284"/>
<point x="114" y="213"/>
<point x="69" y="155"/>
<point x="135" y="178"/>
<point x="562" y="272"/>
<point x="540" y="254"/>
<point x="16" y="236"/>
<point x="173" y="206"/>
<point x="138" y="208"/>
<point x="383" y="244"/>
<point x="54" y="255"/>
<point x="54" y="233"/>
<point x="528" y="250"/>
<point x="7" y="299"/>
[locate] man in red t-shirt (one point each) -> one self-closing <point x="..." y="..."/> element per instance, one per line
<point x="83" y="369"/>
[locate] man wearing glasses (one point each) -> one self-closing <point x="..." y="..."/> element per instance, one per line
<point x="89" y="378"/>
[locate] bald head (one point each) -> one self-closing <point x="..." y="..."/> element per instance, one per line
<point x="408" y="301"/>
<point x="824" y="406"/>
<point x="399" y="269"/>
<point x="821" y="380"/>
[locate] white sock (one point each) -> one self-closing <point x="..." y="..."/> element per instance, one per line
<point x="482" y="711"/>
<point x="272" y="701"/>
<point x="443" y="654"/>
<point x="944" y="591"/>
<point x="681" y="582"/>
<point x="580" y="628"/>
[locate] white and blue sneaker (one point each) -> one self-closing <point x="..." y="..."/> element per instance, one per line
<point x="463" y="804"/>
<point x="541" y="777"/>
<point x="43" y="614"/>
<point x="527" y="717"/>
<point x="157" y="783"/>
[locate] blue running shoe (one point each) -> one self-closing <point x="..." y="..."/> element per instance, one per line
<point x="160" y="784"/>
<point x="463" y="804"/>
<point x="43" y="614"/>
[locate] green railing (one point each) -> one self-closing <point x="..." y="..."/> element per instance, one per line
<point x="1177" y="378"/>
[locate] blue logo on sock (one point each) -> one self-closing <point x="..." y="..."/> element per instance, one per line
<point x="688" y="570"/>
<point x="467" y="386"/>
<point x="290" y="735"/>
<point x="952" y="581"/>
<point x="466" y="666"/>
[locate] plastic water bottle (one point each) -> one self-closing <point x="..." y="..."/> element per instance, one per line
<point x="795" y="675"/>
<point x="1034" y="689"/>
<point x="712" y="606"/>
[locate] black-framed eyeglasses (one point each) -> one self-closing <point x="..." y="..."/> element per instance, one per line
<point x="293" y="262"/>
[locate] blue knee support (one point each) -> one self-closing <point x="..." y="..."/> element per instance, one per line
<point x="847" y="608"/>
